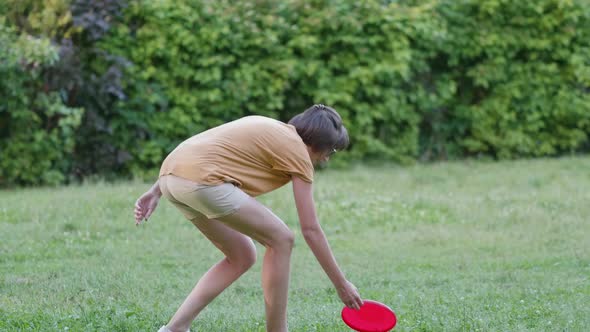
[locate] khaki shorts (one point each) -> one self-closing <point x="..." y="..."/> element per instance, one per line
<point x="196" y="200"/>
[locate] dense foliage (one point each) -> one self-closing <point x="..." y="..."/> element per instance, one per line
<point x="110" y="87"/>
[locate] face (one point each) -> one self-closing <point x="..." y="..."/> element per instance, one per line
<point x="320" y="158"/>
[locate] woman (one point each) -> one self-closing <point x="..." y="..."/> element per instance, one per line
<point x="213" y="177"/>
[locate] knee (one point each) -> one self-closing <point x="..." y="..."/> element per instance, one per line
<point x="246" y="257"/>
<point x="249" y="256"/>
<point x="284" y="241"/>
<point x="289" y="239"/>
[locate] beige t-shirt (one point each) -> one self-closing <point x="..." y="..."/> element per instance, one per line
<point x="256" y="153"/>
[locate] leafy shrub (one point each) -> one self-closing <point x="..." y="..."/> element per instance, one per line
<point x="198" y="64"/>
<point x="36" y="127"/>
<point x="84" y="76"/>
<point x="509" y="79"/>
<point x="413" y="79"/>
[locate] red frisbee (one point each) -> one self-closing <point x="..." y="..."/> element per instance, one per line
<point x="371" y="317"/>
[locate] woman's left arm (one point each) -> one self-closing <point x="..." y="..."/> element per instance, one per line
<point x="317" y="242"/>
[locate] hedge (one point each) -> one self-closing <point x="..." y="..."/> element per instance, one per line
<point x="413" y="80"/>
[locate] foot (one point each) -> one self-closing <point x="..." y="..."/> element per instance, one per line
<point x="166" y="329"/>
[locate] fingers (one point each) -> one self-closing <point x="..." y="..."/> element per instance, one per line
<point x="350" y="296"/>
<point x="146" y="215"/>
<point x="356" y="303"/>
<point x="138" y="217"/>
<point x="138" y="213"/>
<point x="144" y="207"/>
<point x="355" y="299"/>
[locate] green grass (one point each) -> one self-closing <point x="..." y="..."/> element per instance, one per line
<point x="450" y="247"/>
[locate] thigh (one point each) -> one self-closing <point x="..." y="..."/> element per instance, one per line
<point x="231" y="242"/>
<point x="258" y="222"/>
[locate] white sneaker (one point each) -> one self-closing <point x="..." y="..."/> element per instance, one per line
<point x="165" y="328"/>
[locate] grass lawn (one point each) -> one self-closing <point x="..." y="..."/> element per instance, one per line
<point x="468" y="246"/>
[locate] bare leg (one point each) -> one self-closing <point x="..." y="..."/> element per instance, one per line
<point x="256" y="221"/>
<point x="275" y="284"/>
<point x="240" y="255"/>
<point x="227" y="233"/>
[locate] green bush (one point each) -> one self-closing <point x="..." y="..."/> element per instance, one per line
<point x="198" y="64"/>
<point x="37" y="129"/>
<point x="84" y="77"/>
<point x="413" y="79"/>
<point x="428" y="79"/>
<point x="357" y="56"/>
<point x="509" y="79"/>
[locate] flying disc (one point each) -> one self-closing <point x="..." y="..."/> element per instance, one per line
<point x="373" y="316"/>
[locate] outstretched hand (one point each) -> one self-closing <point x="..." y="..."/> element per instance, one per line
<point x="145" y="206"/>
<point x="349" y="295"/>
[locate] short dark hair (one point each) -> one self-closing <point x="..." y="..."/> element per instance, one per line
<point x="321" y="128"/>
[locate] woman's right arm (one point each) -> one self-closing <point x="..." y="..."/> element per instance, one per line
<point x="147" y="203"/>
